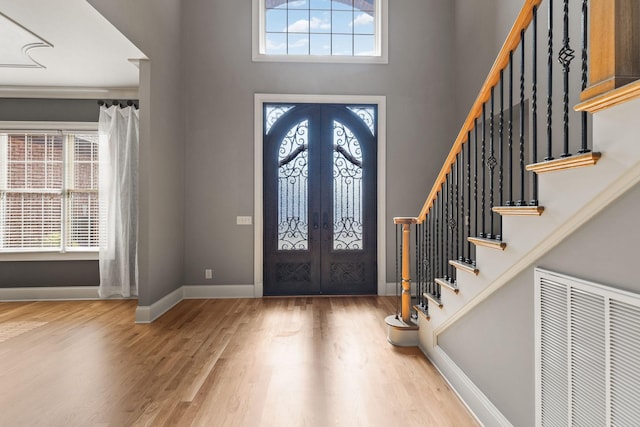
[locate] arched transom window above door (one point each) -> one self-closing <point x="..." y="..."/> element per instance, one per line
<point x="352" y="31"/>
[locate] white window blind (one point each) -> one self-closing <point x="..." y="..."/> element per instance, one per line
<point x="48" y="191"/>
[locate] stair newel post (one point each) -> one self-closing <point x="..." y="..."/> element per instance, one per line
<point x="501" y="153"/>
<point x="405" y="300"/>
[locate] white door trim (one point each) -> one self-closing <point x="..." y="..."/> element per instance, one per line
<point x="260" y="100"/>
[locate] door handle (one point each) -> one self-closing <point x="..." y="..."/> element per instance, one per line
<point x="315" y="221"/>
<point x="325" y="221"/>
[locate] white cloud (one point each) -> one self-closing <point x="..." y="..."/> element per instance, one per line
<point x="362" y="19"/>
<point x="299" y="43"/>
<point x="271" y="46"/>
<point x="302" y="25"/>
<point x="320" y="24"/>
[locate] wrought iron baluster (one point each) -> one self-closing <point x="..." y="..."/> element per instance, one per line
<point x="445" y="216"/>
<point x="432" y="251"/>
<point x="467" y="220"/>
<point x="550" y="82"/>
<point x="501" y="142"/>
<point x="585" y="16"/>
<point x="492" y="164"/>
<point x="419" y="263"/>
<point x="565" y="57"/>
<point x="461" y="189"/>
<point x="534" y="108"/>
<point x="441" y="230"/>
<point x="483" y="163"/>
<point x="438" y="242"/>
<point x="510" y="201"/>
<point x="501" y="154"/>
<point x="475" y="177"/>
<point x="425" y="241"/>
<point x="454" y="218"/>
<point x="521" y="201"/>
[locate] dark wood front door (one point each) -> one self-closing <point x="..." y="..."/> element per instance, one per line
<point x="320" y="168"/>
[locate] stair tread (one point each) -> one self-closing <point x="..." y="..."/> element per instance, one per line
<point x="422" y="310"/>
<point x="464" y="266"/>
<point x="489" y="243"/>
<point x="433" y="299"/>
<point x="518" y="210"/>
<point x="448" y="284"/>
<point x="571" y="162"/>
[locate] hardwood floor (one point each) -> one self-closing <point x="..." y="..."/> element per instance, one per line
<point x="278" y="362"/>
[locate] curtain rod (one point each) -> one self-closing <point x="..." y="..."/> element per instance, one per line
<point x="121" y="104"/>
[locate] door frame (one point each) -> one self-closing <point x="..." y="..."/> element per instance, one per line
<point x="262" y="98"/>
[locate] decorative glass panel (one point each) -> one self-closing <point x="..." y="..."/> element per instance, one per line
<point x="293" y="179"/>
<point x="273" y="114"/>
<point x="367" y="115"/>
<point x="347" y="189"/>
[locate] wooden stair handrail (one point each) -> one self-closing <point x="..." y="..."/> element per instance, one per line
<point x="511" y="43"/>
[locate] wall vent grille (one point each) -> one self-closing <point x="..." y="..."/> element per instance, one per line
<point x="587" y="353"/>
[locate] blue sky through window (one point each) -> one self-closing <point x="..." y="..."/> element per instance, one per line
<point x="320" y="27"/>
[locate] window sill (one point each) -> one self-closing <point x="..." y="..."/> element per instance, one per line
<point x="319" y="59"/>
<point x="49" y="256"/>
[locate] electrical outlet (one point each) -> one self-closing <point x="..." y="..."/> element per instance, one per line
<point x="208" y="273"/>
<point x="243" y="220"/>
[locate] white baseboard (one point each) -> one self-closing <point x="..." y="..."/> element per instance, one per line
<point x="471" y="396"/>
<point x="147" y="314"/>
<point x="391" y="290"/>
<point x="218" y="291"/>
<point x="49" y="293"/>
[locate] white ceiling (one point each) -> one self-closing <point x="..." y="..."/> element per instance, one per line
<point x="87" y="51"/>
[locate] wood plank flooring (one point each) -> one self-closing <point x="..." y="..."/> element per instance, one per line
<point x="280" y="362"/>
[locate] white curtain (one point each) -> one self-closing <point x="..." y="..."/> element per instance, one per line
<point x="118" y="201"/>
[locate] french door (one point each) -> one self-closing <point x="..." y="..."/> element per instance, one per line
<point x="320" y="167"/>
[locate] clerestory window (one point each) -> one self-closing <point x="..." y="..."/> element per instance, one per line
<point x="48" y="191"/>
<point x="320" y="30"/>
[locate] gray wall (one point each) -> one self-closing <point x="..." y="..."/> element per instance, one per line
<point x="58" y="273"/>
<point x="49" y="110"/>
<point x="220" y="81"/>
<point x="154" y="27"/>
<point x="501" y="330"/>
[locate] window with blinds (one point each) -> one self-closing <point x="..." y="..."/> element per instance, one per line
<point x="48" y="191"/>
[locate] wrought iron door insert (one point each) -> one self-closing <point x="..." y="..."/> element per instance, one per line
<point x="319" y="199"/>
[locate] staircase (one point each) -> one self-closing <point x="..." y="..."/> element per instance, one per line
<point x="467" y="205"/>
